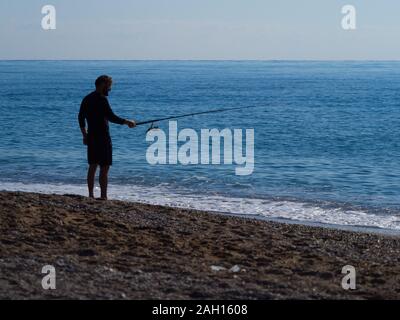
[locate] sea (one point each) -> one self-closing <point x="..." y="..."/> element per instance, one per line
<point x="326" y="135"/>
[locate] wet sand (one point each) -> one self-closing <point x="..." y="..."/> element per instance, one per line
<point x="122" y="250"/>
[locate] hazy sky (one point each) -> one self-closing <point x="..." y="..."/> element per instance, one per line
<point x="206" y="29"/>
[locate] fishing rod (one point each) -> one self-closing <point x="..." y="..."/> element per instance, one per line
<point x="187" y="115"/>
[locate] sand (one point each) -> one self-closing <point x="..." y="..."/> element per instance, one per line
<point x="122" y="250"/>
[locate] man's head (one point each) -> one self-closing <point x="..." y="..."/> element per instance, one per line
<point x="103" y="84"/>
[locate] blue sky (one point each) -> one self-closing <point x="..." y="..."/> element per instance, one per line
<point x="207" y="29"/>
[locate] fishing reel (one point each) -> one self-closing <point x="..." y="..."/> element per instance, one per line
<point x="152" y="127"/>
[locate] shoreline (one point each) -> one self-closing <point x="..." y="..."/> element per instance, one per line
<point x="277" y="209"/>
<point x="127" y="250"/>
<point x="349" y="228"/>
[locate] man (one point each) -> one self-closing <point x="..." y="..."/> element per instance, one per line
<point x="97" y="112"/>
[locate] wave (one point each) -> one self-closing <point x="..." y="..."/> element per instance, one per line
<point x="288" y="210"/>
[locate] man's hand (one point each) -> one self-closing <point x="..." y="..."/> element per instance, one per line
<point x="130" y="123"/>
<point x="84" y="135"/>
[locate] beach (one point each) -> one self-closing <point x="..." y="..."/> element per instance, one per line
<point x="127" y="250"/>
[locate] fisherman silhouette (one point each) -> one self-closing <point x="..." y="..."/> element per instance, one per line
<point x="96" y="112"/>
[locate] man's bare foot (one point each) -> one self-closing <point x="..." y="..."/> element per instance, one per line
<point x="102" y="199"/>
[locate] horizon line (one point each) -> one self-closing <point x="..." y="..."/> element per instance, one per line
<point x="217" y="60"/>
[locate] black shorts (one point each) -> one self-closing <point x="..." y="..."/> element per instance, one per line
<point x="99" y="150"/>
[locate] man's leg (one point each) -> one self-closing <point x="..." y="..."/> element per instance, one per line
<point x="103" y="179"/>
<point x="90" y="178"/>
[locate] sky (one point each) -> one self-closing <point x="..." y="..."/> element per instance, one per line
<point x="200" y="30"/>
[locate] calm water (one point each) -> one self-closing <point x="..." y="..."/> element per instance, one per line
<point x="326" y="134"/>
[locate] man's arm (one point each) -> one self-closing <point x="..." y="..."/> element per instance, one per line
<point x="112" y="117"/>
<point x="82" y="123"/>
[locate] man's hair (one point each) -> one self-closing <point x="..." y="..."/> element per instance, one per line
<point x="102" y="79"/>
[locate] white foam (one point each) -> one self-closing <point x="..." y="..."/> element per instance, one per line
<point x="273" y="209"/>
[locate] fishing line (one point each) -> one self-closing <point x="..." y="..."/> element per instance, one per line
<point x="188" y="115"/>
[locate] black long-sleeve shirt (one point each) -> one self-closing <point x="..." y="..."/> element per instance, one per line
<point x="96" y="110"/>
